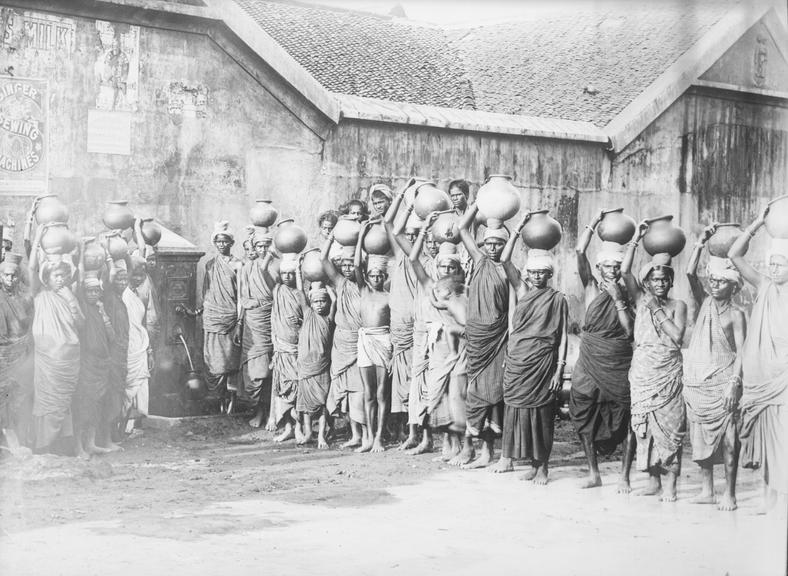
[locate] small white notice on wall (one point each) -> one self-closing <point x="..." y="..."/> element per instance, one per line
<point x="109" y="132"/>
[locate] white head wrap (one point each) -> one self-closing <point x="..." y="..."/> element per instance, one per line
<point x="447" y="251"/>
<point x="610" y="252"/>
<point x="657" y="261"/>
<point x="723" y="268"/>
<point x="539" y="260"/>
<point x="377" y="262"/>
<point x="222" y="227"/>
<point x="414" y="222"/>
<point x="778" y="247"/>
<point x="289" y="263"/>
<point x="381" y="188"/>
<point x="315" y="292"/>
<point x="499" y="233"/>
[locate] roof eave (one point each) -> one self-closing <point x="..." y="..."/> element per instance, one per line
<point x="671" y="84"/>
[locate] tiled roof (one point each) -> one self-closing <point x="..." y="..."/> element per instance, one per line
<point x="363" y="54"/>
<point x="583" y="63"/>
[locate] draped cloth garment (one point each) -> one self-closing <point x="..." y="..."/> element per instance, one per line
<point x="16" y="353"/>
<point x="401" y="300"/>
<point x="219" y="318"/>
<point x="56" y="336"/>
<point x="256" y="344"/>
<point x="314" y="362"/>
<point x="119" y="353"/>
<point x="708" y="373"/>
<point x="447" y="361"/>
<point x="347" y="391"/>
<point x="599" y="401"/>
<point x="374" y="347"/>
<point x="94" y="366"/>
<point x="287" y="316"/>
<point x="764" y="416"/>
<point x="487" y="332"/>
<point x="531" y="362"/>
<point x="424" y="313"/>
<point x="136" y="391"/>
<point x="658" y="412"/>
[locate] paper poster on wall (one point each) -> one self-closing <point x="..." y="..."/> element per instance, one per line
<point x="35" y="31"/>
<point x="109" y="132"/>
<point x="117" y="66"/>
<point x="23" y="142"/>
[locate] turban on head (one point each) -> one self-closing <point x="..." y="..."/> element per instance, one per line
<point x="657" y="261"/>
<point x="447" y="251"/>
<point x="778" y="247"/>
<point x="222" y="228"/>
<point x="380" y="189"/>
<point x="91" y="280"/>
<point x="723" y="268"/>
<point x="610" y="252"/>
<point x="316" y="293"/>
<point x="289" y="263"/>
<point x="11" y="262"/>
<point x="377" y="262"/>
<point x="499" y="233"/>
<point x="414" y="222"/>
<point x="539" y="260"/>
<point x="348" y="252"/>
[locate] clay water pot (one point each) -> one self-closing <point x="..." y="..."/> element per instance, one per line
<point x="616" y="227"/>
<point x="777" y="218"/>
<point x="430" y="198"/>
<point x="376" y="241"/>
<point x="723" y="239"/>
<point x="289" y="238"/>
<point x="347" y="230"/>
<point x="312" y="267"/>
<point x="151" y="231"/>
<point x="662" y="237"/>
<point x="94" y="255"/>
<point x="410" y="191"/>
<point x="49" y="208"/>
<point x="498" y="199"/>
<point x="118" y="215"/>
<point x="118" y="248"/>
<point x="541" y="231"/>
<point x="57" y="238"/>
<point x="446" y="228"/>
<point x="263" y="214"/>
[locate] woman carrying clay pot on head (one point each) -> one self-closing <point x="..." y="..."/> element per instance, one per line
<point x="657" y="404"/>
<point x="764" y="416"/>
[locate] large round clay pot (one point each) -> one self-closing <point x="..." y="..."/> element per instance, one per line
<point x="118" y="215"/>
<point x="616" y="227"/>
<point x="263" y="214"/>
<point x="662" y="237"/>
<point x="430" y="198"/>
<point x="376" y="241"/>
<point x="312" y="267"/>
<point x="410" y="191"/>
<point x="446" y="228"/>
<point x="151" y="231"/>
<point x="498" y="199"/>
<point x="94" y="255"/>
<point x="541" y="231"/>
<point x="777" y="218"/>
<point x="723" y="239"/>
<point x="347" y="230"/>
<point x="49" y="208"/>
<point x="290" y="238"/>
<point x="118" y="248"/>
<point x="57" y="238"/>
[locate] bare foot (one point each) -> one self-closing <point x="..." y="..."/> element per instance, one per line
<point x="591" y="482"/>
<point x="352" y="443"/>
<point x="727" y="503"/>
<point x="112" y="447"/>
<point x="299" y="436"/>
<point x="530" y="475"/>
<point x="503" y="465"/>
<point x="653" y="488"/>
<point x="466" y="455"/>
<point x="377" y="446"/>
<point x="702" y="498"/>
<point x="410" y="442"/>
<point x="83" y="455"/>
<point x="321" y="443"/>
<point x="257" y="419"/>
<point x="623" y="486"/>
<point x="422" y="448"/>
<point x="363" y="448"/>
<point x="21" y="452"/>
<point x="270" y="426"/>
<point x="481" y="462"/>
<point x="308" y="439"/>
<point x="541" y="476"/>
<point x="288" y="434"/>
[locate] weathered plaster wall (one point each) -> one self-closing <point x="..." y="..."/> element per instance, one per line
<point x="186" y="170"/>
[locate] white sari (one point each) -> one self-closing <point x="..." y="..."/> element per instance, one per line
<point x="136" y="393"/>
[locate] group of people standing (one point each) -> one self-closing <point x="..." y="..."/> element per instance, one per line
<point x="75" y="354"/>
<point x="453" y="339"/>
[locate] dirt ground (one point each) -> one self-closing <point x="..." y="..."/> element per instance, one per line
<point x="211" y="497"/>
